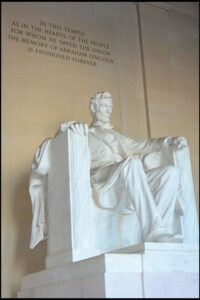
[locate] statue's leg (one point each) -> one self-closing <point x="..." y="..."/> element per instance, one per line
<point x="140" y="195"/>
<point x="164" y="184"/>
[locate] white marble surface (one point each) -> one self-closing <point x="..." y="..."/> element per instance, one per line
<point x="88" y="287"/>
<point x="137" y="275"/>
<point x="68" y="256"/>
<point x="124" y="285"/>
<point x="129" y="195"/>
<point x="164" y="257"/>
<point x="96" y="251"/>
<point x="171" y="285"/>
<point x="69" y="195"/>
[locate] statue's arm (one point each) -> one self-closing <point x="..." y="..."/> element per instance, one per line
<point x="156" y="144"/>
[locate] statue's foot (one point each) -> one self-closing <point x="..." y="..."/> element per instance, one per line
<point x="157" y="234"/>
<point x="171" y="239"/>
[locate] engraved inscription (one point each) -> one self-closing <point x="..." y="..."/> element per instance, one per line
<point x="62" y="42"/>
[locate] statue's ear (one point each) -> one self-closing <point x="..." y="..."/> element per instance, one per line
<point x="92" y="108"/>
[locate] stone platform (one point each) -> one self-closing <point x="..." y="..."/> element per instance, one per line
<point x="149" y="270"/>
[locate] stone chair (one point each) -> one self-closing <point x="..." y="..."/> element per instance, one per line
<point x="77" y="227"/>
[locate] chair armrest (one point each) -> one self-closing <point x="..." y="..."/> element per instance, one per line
<point x="69" y="193"/>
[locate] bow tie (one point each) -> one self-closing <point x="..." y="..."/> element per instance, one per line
<point x="101" y="125"/>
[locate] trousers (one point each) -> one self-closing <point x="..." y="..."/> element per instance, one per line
<point x="150" y="193"/>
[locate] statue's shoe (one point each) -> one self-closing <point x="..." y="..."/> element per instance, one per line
<point x="157" y="234"/>
<point x="171" y="239"/>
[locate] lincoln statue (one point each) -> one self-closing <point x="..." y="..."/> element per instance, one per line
<point x="125" y="177"/>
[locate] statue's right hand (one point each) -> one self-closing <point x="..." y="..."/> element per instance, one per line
<point x="79" y="128"/>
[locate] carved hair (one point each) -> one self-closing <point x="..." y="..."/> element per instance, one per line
<point x="96" y="99"/>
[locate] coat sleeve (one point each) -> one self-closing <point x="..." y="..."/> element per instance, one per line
<point x="38" y="193"/>
<point x="147" y="145"/>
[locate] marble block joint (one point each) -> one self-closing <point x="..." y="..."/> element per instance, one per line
<point x="143" y="271"/>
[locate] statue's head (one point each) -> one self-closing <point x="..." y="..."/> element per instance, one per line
<point x="101" y="106"/>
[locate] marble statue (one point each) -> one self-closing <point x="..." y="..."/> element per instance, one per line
<point x="148" y="178"/>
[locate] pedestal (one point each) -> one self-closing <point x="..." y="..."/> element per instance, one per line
<point x="149" y="270"/>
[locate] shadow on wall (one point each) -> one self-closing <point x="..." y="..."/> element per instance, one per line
<point x="27" y="261"/>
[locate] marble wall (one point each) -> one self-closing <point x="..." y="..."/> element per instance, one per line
<point x="170" y="51"/>
<point x="150" y="67"/>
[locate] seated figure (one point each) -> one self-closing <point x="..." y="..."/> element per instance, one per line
<point x="127" y="177"/>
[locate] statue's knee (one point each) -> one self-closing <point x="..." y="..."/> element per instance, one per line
<point x="134" y="163"/>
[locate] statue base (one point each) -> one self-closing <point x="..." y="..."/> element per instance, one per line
<point x="148" y="270"/>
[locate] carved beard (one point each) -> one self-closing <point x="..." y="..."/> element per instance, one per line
<point x="101" y="118"/>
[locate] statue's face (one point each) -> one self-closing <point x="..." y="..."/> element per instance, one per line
<point x="103" y="110"/>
